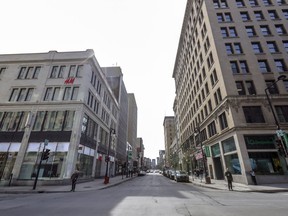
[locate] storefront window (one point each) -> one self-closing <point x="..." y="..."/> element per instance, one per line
<point x="8" y="154"/>
<point x="85" y="160"/>
<point x="215" y="150"/>
<point x="260" y="142"/>
<point x="51" y="168"/>
<point x="229" y="145"/>
<point x="265" y="163"/>
<point x="232" y="162"/>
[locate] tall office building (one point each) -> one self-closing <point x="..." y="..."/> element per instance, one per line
<point x="169" y="136"/>
<point x="60" y="101"/>
<point x="231" y="59"/>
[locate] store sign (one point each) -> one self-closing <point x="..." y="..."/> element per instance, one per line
<point x="69" y="80"/>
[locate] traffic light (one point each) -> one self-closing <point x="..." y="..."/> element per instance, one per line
<point x="279" y="147"/>
<point x="45" y="154"/>
<point x="129" y="155"/>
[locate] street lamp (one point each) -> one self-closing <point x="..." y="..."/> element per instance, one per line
<point x="107" y="158"/>
<point x="282" y="77"/>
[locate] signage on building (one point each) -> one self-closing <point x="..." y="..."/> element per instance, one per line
<point x="69" y="80"/>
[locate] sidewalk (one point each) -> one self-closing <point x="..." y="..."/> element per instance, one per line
<point x="96" y="184"/>
<point x="222" y="185"/>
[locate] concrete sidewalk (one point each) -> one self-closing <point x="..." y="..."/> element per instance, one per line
<point x="223" y="185"/>
<point x="96" y="184"/>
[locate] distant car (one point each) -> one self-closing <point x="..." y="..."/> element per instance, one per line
<point x="181" y="176"/>
<point x="141" y="173"/>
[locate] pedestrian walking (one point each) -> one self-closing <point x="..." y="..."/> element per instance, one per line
<point x="74" y="178"/>
<point x="253" y="176"/>
<point x="229" y="178"/>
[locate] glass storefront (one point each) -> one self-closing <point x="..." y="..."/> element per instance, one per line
<point x="231" y="158"/>
<point x="85" y="160"/>
<point x="8" y="154"/>
<point x="51" y="168"/>
<point x="263" y="162"/>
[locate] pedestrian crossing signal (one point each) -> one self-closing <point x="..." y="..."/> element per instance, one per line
<point x="46" y="154"/>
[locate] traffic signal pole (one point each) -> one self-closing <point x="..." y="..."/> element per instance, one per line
<point x="38" y="169"/>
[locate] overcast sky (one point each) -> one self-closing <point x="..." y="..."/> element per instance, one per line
<point x="140" y="36"/>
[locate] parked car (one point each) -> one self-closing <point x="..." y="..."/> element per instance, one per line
<point x="141" y="173"/>
<point x="172" y="174"/>
<point x="181" y="176"/>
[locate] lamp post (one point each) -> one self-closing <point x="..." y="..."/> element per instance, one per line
<point x="107" y="158"/>
<point x="282" y="77"/>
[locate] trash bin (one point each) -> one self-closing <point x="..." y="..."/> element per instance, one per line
<point x="207" y="180"/>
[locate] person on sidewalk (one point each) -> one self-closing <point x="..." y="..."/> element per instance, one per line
<point x="229" y="178"/>
<point x="253" y="176"/>
<point x="74" y="178"/>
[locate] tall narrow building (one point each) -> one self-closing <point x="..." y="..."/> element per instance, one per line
<point x="231" y="63"/>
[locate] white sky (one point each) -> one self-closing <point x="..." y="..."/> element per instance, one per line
<point x="140" y="36"/>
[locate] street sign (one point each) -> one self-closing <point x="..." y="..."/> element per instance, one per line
<point x="46" y="141"/>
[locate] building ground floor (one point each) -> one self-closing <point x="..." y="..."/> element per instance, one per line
<point x="240" y="152"/>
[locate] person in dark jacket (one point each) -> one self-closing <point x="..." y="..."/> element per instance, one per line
<point x="229" y="178"/>
<point x="253" y="176"/>
<point x="74" y="178"/>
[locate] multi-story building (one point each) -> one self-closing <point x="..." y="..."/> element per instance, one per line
<point x="114" y="77"/>
<point x="132" y="125"/>
<point x="65" y="99"/>
<point x="140" y="153"/>
<point x="230" y="54"/>
<point x="169" y="136"/>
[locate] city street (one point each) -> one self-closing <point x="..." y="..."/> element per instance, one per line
<point x="152" y="194"/>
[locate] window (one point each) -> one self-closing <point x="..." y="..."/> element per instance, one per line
<point x="223" y="121"/>
<point x="234" y="48"/>
<point x="285" y="82"/>
<point x="226" y="17"/>
<point x="218" y="96"/>
<point x="228" y="32"/>
<point x="267" y="2"/>
<point x="250" y="87"/>
<point x="48" y="93"/>
<point x="247" y="86"/>
<point x="253" y="114"/>
<point x="265" y="30"/>
<point x="213" y="77"/>
<point x="250" y="31"/>
<point x="71" y="93"/>
<point x="259" y="15"/>
<point x="272" y="46"/>
<point x="280" y="29"/>
<point x="29" y="72"/>
<point x="57" y="71"/>
<point x="245" y="16"/>
<point x="281" y="2"/>
<point x="220" y="4"/>
<point x="212" y="129"/>
<point x="244" y="67"/>
<point x="210" y="60"/>
<point x="253" y="3"/>
<point x="272" y="87"/>
<point x="240" y="88"/>
<point x="273" y="14"/>
<point x="285" y="13"/>
<point x="240" y="3"/>
<point x="263" y="66"/>
<point x="21" y="94"/>
<point x="256" y="46"/>
<point x="234" y="67"/>
<point x="282" y="113"/>
<point x="2" y="70"/>
<point x="280" y="65"/>
<point x="72" y="71"/>
<point x="285" y="45"/>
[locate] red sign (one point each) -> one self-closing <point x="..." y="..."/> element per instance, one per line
<point x="69" y="80"/>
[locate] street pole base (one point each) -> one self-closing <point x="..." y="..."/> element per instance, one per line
<point x="106" y="180"/>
